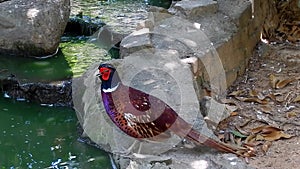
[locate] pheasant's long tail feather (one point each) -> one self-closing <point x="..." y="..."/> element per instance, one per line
<point x="198" y="138"/>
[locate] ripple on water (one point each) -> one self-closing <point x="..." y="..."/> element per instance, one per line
<point x="121" y="15"/>
<point x="33" y="136"/>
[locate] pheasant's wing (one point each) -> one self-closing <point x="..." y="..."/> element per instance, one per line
<point x="141" y="115"/>
<point x="139" y="100"/>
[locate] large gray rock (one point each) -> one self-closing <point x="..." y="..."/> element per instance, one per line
<point x="159" y="72"/>
<point x="32" y="27"/>
<point x="169" y="32"/>
<point x="196" y="8"/>
<point x="156" y="60"/>
<point x="184" y="158"/>
<point x="153" y="62"/>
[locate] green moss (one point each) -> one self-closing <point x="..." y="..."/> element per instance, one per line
<point x="80" y="55"/>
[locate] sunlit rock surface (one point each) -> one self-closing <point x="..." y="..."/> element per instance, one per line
<point x="32" y="27"/>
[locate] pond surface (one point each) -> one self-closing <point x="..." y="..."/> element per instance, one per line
<point x="76" y="55"/>
<point x="33" y="70"/>
<point x="32" y="136"/>
<point x="122" y="15"/>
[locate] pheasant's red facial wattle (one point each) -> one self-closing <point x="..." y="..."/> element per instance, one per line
<point x="105" y="73"/>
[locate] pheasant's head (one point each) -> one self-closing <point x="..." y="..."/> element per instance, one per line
<point x="106" y="71"/>
<point x="108" y="75"/>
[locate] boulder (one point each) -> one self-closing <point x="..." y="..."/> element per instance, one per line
<point x="194" y="8"/>
<point x="152" y="62"/>
<point x="31" y="27"/>
<point x="168" y="32"/>
<point x="171" y="58"/>
<point x="161" y="73"/>
<point x="47" y="94"/>
<point x="158" y="72"/>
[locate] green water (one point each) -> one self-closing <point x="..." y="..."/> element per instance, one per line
<point x="122" y="15"/>
<point x="75" y="56"/>
<point x="30" y="69"/>
<point x="32" y="136"/>
<point x="80" y="55"/>
<point x="72" y="60"/>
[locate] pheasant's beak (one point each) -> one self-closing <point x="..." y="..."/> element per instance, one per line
<point x="98" y="75"/>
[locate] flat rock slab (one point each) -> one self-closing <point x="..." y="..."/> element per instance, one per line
<point x="180" y="158"/>
<point x="193" y="46"/>
<point x="196" y="8"/>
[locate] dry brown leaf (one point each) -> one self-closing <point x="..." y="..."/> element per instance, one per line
<point x="269" y="129"/>
<point x="259" y="95"/>
<point x="264" y="129"/>
<point x="231" y="104"/>
<point x="279" y="83"/>
<point x="266" y="146"/>
<point x="255" y="100"/>
<point x="266" y="109"/>
<point x="221" y="136"/>
<point x="269" y="133"/>
<point x="280" y="99"/>
<point x="284" y="82"/>
<point x="250" y="139"/>
<point x="257" y="129"/>
<point x="238" y="141"/>
<point x="273" y="96"/>
<point x="276" y="135"/>
<point x="273" y="80"/>
<point x="292" y="39"/>
<point x="297" y="99"/>
<point x="234" y="113"/>
<point x="251" y="151"/>
<point x="253" y="93"/>
<point x="207" y="92"/>
<point x="291" y="114"/>
<point x="235" y="93"/>
<point x="259" y="138"/>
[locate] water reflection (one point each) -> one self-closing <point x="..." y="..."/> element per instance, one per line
<point x="32" y="70"/>
<point x="122" y="15"/>
<point x="32" y="136"/>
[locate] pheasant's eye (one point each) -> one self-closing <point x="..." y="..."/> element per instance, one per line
<point x="105" y="73"/>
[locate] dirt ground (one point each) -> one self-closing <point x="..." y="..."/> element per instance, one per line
<point x="267" y="95"/>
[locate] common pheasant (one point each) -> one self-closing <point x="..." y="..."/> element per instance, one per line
<point x="143" y="116"/>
